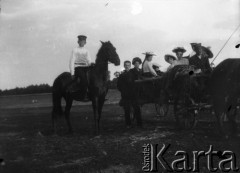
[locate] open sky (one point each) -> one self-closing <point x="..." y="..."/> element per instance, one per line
<point x="37" y="36"/>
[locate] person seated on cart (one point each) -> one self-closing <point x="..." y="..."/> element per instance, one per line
<point x="172" y="60"/>
<point x="200" y="59"/>
<point x="174" y="70"/>
<point x="179" y="51"/>
<point x="201" y="63"/>
<point x="147" y="66"/>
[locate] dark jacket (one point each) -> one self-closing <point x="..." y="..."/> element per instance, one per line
<point x="123" y="85"/>
<point x="202" y="63"/>
<point x="135" y="74"/>
<point x="126" y="83"/>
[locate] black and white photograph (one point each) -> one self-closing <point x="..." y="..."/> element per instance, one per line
<point x="119" y="86"/>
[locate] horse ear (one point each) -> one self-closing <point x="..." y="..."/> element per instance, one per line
<point x="101" y="41"/>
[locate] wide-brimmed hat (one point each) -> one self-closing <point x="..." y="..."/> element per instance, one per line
<point x="179" y="49"/>
<point x="149" y="54"/>
<point x="167" y="57"/>
<point x="196" y="45"/>
<point x="207" y="52"/>
<point x="82" y="37"/>
<point x="136" y="59"/>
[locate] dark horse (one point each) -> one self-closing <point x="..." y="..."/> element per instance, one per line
<point x="98" y="86"/>
<point x="224" y="86"/>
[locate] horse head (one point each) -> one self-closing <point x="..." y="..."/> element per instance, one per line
<point x="110" y="53"/>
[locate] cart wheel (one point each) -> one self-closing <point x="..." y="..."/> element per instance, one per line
<point x="162" y="111"/>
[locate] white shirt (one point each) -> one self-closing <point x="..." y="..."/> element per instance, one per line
<point x="183" y="61"/>
<point x="148" y="67"/>
<point x="80" y="57"/>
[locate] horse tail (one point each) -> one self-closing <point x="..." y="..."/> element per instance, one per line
<point x="57" y="94"/>
<point x="56" y="101"/>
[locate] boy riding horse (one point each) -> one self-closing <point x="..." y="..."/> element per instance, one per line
<point x="80" y="62"/>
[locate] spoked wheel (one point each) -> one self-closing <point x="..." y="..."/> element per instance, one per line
<point x="187" y="119"/>
<point x="162" y="110"/>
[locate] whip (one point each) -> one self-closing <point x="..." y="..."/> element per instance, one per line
<point x="225" y="43"/>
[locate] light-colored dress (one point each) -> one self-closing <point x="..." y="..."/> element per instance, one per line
<point x="148" y="68"/>
<point x="182" y="61"/>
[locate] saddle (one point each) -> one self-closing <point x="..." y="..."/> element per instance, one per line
<point x="77" y="88"/>
<point x="74" y="85"/>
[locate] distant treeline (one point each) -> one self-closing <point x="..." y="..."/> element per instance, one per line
<point x="31" y="89"/>
<point x="42" y="88"/>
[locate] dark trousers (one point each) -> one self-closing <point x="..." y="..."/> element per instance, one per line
<point x="127" y="113"/>
<point x="81" y="73"/>
<point x="136" y="112"/>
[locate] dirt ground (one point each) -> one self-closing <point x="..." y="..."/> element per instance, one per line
<point x="27" y="143"/>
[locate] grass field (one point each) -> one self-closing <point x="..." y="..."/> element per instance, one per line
<point x="45" y="100"/>
<point x="28" y="145"/>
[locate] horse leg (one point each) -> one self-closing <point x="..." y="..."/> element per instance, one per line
<point x="57" y="111"/>
<point x="218" y="107"/>
<point x="231" y="114"/>
<point x="67" y="113"/>
<point x="100" y="106"/>
<point x="176" y="112"/>
<point x="218" y="115"/>
<point x="54" y="122"/>
<point x="137" y="114"/>
<point x="232" y="119"/>
<point x="95" y="108"/>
